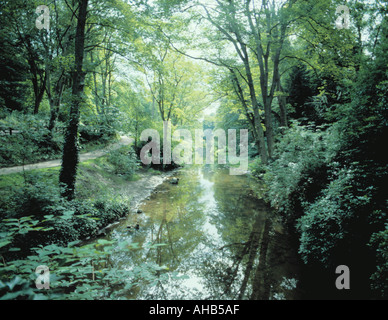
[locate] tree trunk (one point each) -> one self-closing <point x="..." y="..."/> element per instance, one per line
<point x="38" y="78"/>
<point x="283" y="108"/>
<point x="70" y="156"/>
<point x="260" y="141"/>
<point x="38" y="91"/>
<point x="55" y="103"/>
<point x="55" y="98"/>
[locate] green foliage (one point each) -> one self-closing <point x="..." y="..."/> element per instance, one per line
<point x="85" y="217"/>
<point x="37" y="197"/>
<point x="332" y="183"/>
<point x="66" y="221"/>
<point x="329" y="181"/>
<point x="12" y="73"/>
<point x="77" y="272"/>
<point x="379" y="279"/>
<point x="50" y="238"/>
<point x="302" y="152"/>
<point x="107" y="212"/>
<point x="301" y="89"/>
<point x="256" y="168"/>
<point x="30" y="142"/>
<point x="98" y="128"/>
<point x="18" y="288"/>
<point x="328" y="222"/>
<point x="124" y="161"/>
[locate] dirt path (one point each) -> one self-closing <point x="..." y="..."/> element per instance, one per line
<point x="56" y="163"/>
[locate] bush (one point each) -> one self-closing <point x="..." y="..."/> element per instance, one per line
<point x="108" y="212"/>
<point x="89" y="134"/>
<point x="379" y="279"/>
<point x="256" y="168"/>
<point x="76" y="273"/>
<point x="84" y="221"/>
<point x="96" y="128"/>
<point x="325" y="222"/>
<point x="124" y="161"/>
<point x="378" y="243"/>
<point x="62" y="232"/>
<point x="38" y="196"/>
<point x="31" y="142"/>
<point x="85" y="227"/>
<point x="301" y="157"/>
<point x="63" y="221"/>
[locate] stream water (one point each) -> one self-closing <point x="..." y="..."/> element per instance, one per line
<point x="214" y="239"/>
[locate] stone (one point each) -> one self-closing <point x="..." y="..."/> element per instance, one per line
<point x="174" y="181"/>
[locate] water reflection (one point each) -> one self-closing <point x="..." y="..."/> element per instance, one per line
<point x="219" y="242"/>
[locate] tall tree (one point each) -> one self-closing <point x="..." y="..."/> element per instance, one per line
<point x="269" y="34"/>
<point x="58" y="46"/>
<point x="21" y="18"/>
<point x="249" y="41"/>
<point x="70" y="156"/>
<point x="226" y="21"/>
<point x="13" y="70"/>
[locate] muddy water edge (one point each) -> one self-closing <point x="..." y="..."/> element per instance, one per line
<point x="213" y="237"/>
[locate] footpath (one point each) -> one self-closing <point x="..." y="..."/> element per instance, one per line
<point x="57" y="163"/>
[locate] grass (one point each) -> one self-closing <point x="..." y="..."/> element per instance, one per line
<point x="38" y="155"/>
<point x="16" y="180"/>
<point x="95" y="178"/>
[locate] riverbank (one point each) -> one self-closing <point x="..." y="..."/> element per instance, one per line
<point x="210" y="231"/>
<point x="214" y="236"/>
<point x="94" y="180"/>
<point x="94" y="154"/>
<point x="103" y="198"/>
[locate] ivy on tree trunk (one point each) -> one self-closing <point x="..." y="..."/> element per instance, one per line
<point x="70" y="157"/>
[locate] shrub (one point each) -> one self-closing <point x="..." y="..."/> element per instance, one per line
<point x="85" y="226"/>
<point x="379" y="279"/>
<point x="124" y="161"/>
<point x="108" y="212"/>
<point x="301" y="154"/>
<point x="256" y="168"/>
<point x="62" y="232"/>
<point x="31" y="141"/>
<point x="38" y="196"/>
<point x="334" y="225"/>
<point x="378" y="243"/>
<point x="65" y="221"/>
<point x="84" y="220"/>
<point x="76" y="272"/>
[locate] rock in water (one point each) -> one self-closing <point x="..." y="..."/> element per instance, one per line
<point x="174" y="180"/>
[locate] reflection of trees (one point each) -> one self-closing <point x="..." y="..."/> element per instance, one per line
<point x="180" y="222"/>
<point x="226" y="267"/>
<point x="261" y="285"/>
<point x="240" y="221"/>
<point x="175" y="219"/>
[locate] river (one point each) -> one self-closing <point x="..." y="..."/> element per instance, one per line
<point x="212" y="238"/>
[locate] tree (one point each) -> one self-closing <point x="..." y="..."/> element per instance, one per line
<point x="175" y="87"/>
<point x="224" y="19"/>
<point x="20" y="16"/>
<point x="300" y="90"/>
<point x="249" y="41"/>
<point x="13" y="72"/>
<point x="58" y="58"/>
<point x="70" y="156"/>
